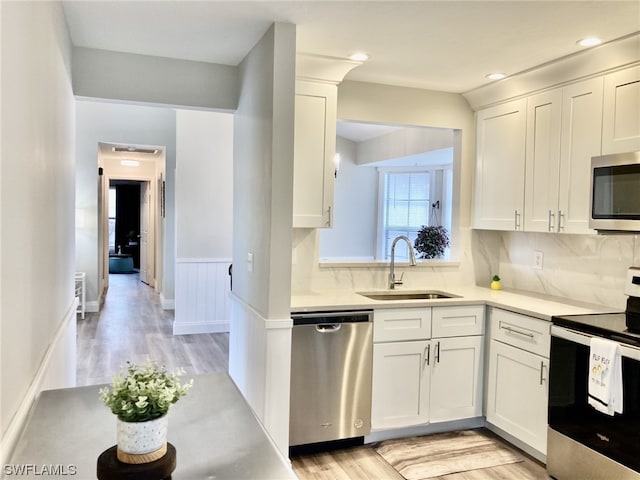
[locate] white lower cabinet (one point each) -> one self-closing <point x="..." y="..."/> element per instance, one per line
<point x="400" y="389"/>
<point x="418" y="380"/>
<point x="517" y="384"/>
<point x="456" y="378"/>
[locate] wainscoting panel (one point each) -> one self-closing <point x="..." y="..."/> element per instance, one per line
<point x="202" y="296"/>
<point x="57" y="370"/>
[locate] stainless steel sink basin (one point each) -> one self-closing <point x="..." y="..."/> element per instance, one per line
<point x="421" y="295"/>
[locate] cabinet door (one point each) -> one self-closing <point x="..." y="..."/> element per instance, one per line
<point x="456" y="378"/>
<point x="621" y="112"/>
<point x="542" y="161"/>
<point x="314" y="151"/>
<point x="517" y="390"/>
<point x="400" y="386"/>
<point x="580" y="140"/>
<point x="500" y="155"/>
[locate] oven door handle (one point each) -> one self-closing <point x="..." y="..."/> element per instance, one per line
<point x="574" y="336"/>
<point x="571" y="335"/>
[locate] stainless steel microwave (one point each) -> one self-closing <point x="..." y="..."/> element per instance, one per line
<point x="615" y="192"/>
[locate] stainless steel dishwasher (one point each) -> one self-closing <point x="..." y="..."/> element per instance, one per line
<point x="331" y="358"/>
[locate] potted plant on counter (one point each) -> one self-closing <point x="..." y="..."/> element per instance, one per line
<point x="140" y="397"/>
<point x="431" y="241"/>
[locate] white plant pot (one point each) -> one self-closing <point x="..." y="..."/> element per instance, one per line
<point x="143" y="439"/>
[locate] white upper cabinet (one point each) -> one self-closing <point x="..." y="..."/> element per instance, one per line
<point x="500" y="162"/>
<point x="621" y="112"/>
<point x="542" y="162"/>
<point x="314" y="151"/>
<point x="533" y="165"/>
<point x="563" y="133"/>
<point x="580" y="139"/>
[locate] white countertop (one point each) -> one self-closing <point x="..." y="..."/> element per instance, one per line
<point x="520" y="302"/>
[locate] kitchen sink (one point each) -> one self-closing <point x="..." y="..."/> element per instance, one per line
<point x="414" y="295"/>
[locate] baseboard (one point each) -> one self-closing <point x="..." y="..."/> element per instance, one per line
<point x="42" y="379"/>
<point x="540" y="456"/>
<point x="208" y="327"/>
<point x="427" y="429"/>
<point x="167" y="303"/>
<point x="92" y="307"/>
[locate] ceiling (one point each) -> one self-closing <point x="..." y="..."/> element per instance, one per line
<point x="447" y="46"/>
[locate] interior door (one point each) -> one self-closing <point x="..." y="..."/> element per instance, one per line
<point x="145" y="220"/>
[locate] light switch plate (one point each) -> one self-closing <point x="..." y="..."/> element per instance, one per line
<point x="249" y="262"/>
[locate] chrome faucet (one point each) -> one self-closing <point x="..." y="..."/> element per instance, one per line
<point x="412" y="261"/>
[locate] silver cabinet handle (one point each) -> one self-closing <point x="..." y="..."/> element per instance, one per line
<point x="437" y="352"/>
<point x="560" y="221"/>
<point x="518" y="332"/>
<point x="542" y="379"/>
<point x="427" y="354"/>
<point x="329" y="216"/>
<point x="552" y="221"/>
<point x="517" y="220"/>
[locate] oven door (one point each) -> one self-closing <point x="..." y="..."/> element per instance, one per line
<point x="580" y="436"/>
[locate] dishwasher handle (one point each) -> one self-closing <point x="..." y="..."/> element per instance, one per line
<point x="328" y="327"/>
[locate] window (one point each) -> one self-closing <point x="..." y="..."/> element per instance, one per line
<point x="411" y="198"/>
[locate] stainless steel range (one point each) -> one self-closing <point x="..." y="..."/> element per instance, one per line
<point x="585" y="443"/>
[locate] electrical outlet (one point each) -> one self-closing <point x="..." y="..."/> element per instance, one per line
<point x="538" y="258"/>
<point x="249" y="262"/>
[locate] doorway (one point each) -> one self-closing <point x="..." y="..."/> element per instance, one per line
<point x="130" y="233"/>
<point x="130" y="212"/>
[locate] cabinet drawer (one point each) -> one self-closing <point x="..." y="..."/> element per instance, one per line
<point x="457" y="321"/>
<point x="522" y="331"/>
<point x="401" y="324"/>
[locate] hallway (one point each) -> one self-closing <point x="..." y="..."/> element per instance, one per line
<point x="132" y="326"/>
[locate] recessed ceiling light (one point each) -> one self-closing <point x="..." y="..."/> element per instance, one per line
<point x="359" y="57"/>
<point x="496" y="76"/>
<point x="129" y="163"/>
<point x="589" y="42"/>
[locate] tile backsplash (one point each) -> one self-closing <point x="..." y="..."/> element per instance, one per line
<point x="588" y="268"/>
<point x="584" y="268"/>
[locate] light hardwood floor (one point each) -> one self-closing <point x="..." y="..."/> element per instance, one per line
<point x="132" y="326"/>
<point x="363" y="463"/>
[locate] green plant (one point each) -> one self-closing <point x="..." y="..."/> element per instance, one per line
<point x="143" y="393"/>
<point x="431" y="241"/>
<point x="496" y="278"/>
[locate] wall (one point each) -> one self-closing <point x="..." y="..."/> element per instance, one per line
<point x="154" y="80"/>
<point x="260" y="337"/>
<point x="204" y="220"/>
<point x="123" y="124"/>
<point x="353" y="234"/>
<point x="385" y="104"/>
<point x="37" y="304"/>
<point x="204" y="184"/>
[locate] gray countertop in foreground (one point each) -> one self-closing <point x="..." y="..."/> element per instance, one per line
<point x="215" y="433"/>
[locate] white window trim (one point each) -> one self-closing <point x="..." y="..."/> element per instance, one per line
<point x="445" y="211"/>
